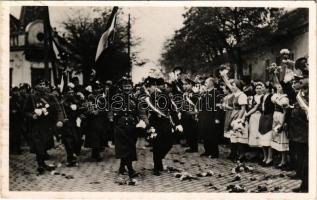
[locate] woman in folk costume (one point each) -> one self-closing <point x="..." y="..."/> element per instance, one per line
<point x="239" y="128"/>
<point x="265" y="124"/>
<point x="227" y="105"/>
<point x="279" y="140"/>
<point x="255" y="114"/>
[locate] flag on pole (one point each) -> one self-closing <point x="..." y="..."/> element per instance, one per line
<point x="104" y="40"/>
<point x="62" y="83"/>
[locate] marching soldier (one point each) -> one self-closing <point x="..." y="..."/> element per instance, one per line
<point x="71" y="136"/>
<point x="95" y="122"/>
<point x="126" y="116"/>
<point x="16" y="119"/>
<point x="42" y="109"/>
<point x="162" y="120"/>
<point x="25" y="90"/>
<point x="189" y="117"/>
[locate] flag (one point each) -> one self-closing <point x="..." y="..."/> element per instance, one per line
<point x="104" y="40"/>
<point x="62" y="83"/>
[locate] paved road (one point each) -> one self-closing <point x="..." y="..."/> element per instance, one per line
<point x="102" y="176"/>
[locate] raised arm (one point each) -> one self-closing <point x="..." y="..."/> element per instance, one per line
<point x="226" y="81"/>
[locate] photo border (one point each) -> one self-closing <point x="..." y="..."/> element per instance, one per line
<point x="4" y="101"/>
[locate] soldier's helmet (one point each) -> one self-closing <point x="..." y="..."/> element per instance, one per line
<point x="25" y="87"/>
<point x="126" y="84"/>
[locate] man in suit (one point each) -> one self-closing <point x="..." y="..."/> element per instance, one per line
<point x="208" y="119"/>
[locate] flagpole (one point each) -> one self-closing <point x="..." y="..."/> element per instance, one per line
<point x="46" y="44"/>
<point x="129" y="42"/>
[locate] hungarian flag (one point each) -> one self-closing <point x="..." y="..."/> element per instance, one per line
<point x="106" y="36"/>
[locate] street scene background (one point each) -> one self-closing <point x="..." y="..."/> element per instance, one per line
<point x="255" y="59"/>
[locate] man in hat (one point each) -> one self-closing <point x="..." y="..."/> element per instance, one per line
<point x="189" y="116"/>
<point x="43" y="110"/>
<point x="163" y="120"/>
<point x="71" y="136"/>
<point x="297" y="126"/>
<point x="126" y="116"/>
<point x="95" y="121"/>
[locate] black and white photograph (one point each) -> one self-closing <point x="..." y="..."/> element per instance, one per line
<point x="188" y="98"/>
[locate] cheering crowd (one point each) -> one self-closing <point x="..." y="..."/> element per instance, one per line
<point x="268" y="118"/>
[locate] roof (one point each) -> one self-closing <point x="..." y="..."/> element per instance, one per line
<point x="14" y="24"/>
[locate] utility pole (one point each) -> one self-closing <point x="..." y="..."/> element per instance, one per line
<point x="129" y="43"/>
<point x="46" y="44"/>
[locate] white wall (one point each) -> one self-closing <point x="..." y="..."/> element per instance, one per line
<point x="257" y="58"/>
<point x="21" y="68"/>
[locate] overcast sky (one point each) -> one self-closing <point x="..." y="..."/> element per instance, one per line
<point x="152" y="25"/>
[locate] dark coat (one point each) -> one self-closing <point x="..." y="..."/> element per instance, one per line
<point x="125" y="132"/>
<point x="96" y="124"/>
<point x="297" y="125"/>
<point x="209" y="113"/>
<point x="163" y="127"/>
<point x="41" y="134"/>
<point x="16" y="119"/>
<point x="71" y="135"/>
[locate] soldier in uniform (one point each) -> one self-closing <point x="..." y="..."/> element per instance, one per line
<point x="95" y="122"/>
<point x="25" y="90"/>
<point x="71" y="136"/>
<point x="162" y="120"/>
<point x="126" y="116"/>
<point x="298" y="122"/>
<point x="189" y="116"/>
<point x="43" y="110"/>
<point x="16" y="118"/>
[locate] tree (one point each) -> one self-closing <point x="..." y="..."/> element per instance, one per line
<point x="211" y="36"/>
<point x="83" y="31"/>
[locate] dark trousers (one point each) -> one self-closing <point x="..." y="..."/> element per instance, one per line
<point x="126" y="162"/>
<point x="72" y="140"/>
<point x="190" y="131"/>
<point x="158" y="165"/>
<point x="211" y="147"/>
<point x="299" y="162"/>
<point x="15" y="140"/>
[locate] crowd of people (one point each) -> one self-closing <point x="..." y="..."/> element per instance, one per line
<point x="268" y="118"/>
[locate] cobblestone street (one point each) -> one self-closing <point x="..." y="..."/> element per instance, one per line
<point x="102" y="177"/>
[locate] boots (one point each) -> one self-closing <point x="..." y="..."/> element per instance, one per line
<point x="122" y="169"/>
<point x="42" y="166"/>
<point x="131" y="172"/>
<point x="95" y="154"/>
<point x="158" y="167"/>
<point x="71" y="161"/>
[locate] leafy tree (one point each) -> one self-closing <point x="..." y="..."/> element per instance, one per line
<point x="83" y="31"/>
<point x="211" y="36"/>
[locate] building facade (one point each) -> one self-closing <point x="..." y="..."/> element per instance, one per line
<point x="292" y="34"/>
